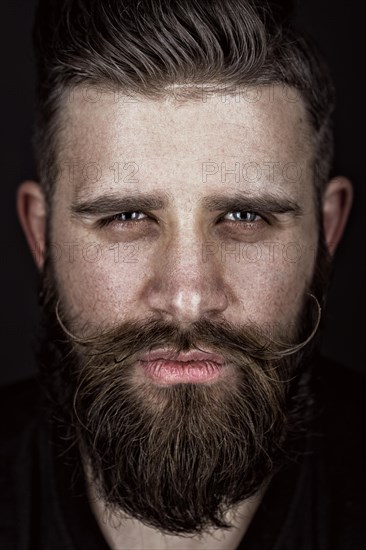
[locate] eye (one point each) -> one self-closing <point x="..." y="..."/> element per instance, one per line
<point x="243" y="217"/>
<point x="123" y="218"/>
<point x="128" y="216"/>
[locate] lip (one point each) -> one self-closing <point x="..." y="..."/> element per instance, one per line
<point x="184" y="357"/>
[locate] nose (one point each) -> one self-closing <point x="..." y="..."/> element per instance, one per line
<point x="183" y="286"/>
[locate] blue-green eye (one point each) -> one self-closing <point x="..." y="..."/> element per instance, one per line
<point x="243" y="216"/>
<point x="123" y="218"/>
<point x="128" y="216"/>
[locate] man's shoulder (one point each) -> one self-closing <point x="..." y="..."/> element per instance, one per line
<point x="19" y="404"/>
<point x="341" y="396"/>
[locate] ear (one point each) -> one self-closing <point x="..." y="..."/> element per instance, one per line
<point x="31" y="208"/>
<point x="337" y="202"/>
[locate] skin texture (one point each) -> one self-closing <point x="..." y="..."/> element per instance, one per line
<point x="175" y="263"/>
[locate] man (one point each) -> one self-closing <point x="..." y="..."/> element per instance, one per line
<point x="183" y="226"/>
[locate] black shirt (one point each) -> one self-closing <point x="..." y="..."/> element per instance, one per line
<point x="317" y="502"/>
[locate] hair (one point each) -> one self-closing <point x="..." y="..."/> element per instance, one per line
<point x="144" y="47"/>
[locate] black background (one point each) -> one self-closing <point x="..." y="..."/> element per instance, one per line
<point x="337" y="27"/>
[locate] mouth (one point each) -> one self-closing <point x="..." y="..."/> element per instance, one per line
<point x="168" y="367"/>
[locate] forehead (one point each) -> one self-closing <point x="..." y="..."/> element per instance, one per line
<point x="171" y="137"/>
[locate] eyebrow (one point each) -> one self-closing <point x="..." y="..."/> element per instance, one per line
<point x="112" y="203"/>
<point x="265" y="202"/>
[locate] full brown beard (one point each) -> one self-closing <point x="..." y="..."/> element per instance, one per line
<point x="178" y="457"/>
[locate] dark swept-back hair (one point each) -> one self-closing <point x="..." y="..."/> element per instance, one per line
<point x="145" y="47"/>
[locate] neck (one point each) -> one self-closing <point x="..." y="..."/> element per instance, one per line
<point x="132" y="534"/>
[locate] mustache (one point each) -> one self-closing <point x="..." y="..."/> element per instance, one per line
<point x="124" y="342"/>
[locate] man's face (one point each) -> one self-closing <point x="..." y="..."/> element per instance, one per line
<point x="181" y="226"/>
<point x="185" y="260"/>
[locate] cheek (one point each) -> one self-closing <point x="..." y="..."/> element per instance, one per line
<point x="100" y="282"/>
<point x="270" y="281"/>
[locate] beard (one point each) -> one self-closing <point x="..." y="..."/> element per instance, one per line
<point x="178" y="457"/>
